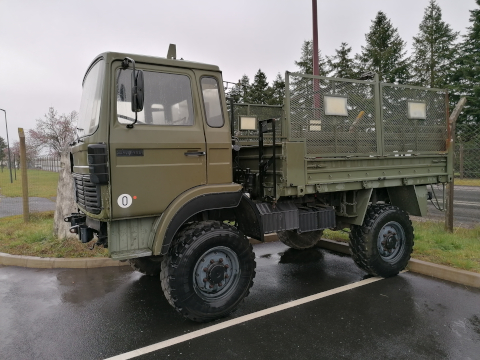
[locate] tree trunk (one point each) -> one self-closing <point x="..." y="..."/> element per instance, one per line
<point x="65" y="199"/>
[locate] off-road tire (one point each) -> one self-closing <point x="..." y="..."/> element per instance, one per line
<point x="148" y="265"/>
<point x="366" y="241"/>
<point x="300" y="241"/>
<point x="197" y="242"/>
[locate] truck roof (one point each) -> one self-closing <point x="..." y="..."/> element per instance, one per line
<point x="110" y="56"/>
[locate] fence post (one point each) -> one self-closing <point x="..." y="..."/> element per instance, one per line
<point x="451" y="148"/>
<point x="461" y="161"/>
<point x="23" y="163"/>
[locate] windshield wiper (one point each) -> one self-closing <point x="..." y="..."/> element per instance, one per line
<point x="125" y="117"/>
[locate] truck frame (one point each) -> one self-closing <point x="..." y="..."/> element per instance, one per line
<point x="172" y="177"/>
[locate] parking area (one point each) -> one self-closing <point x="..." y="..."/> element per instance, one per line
<point x="107" y="312"/>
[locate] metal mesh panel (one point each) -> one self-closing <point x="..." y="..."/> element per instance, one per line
<point x="467" y="150"/>
<point x="404" y="135"/>
<point x="262" y="112"/>
<point x="333" y="134"/>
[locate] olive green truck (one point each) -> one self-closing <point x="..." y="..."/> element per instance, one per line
<point x="173" y="177"/>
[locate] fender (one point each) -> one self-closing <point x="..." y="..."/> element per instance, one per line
<point x="191" y="202"/>
<point x="248" y="219"/>
<point x="411" y="198"/>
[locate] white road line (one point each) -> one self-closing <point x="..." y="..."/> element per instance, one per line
<point x="241" y="319"/>
<point x="467" y="203"/>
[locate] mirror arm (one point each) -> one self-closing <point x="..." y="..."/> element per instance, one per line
<point x="125" y="66"/>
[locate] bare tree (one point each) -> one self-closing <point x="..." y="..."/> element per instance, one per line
<point x="54" y="132"/>
<point x="32" y="152"/>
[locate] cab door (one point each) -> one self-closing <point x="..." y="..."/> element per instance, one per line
<point x="164" y="154"/>
<point x="217" y="127"/>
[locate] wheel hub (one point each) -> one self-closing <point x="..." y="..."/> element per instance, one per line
<point x="391" y="239"/>
<point x="216" y="272"/>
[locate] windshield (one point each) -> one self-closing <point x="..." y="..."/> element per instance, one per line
<point x="88" y="116"/>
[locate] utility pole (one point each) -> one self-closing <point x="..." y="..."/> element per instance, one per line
<point x="316" y="70"/>
<point x="8" y="147"/>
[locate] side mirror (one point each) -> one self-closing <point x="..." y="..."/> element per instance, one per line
<point x="137" y="91"/>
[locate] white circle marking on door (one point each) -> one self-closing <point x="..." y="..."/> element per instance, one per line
<point x="124" y="201"/>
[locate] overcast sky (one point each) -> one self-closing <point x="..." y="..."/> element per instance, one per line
<point x="46" y="46"/>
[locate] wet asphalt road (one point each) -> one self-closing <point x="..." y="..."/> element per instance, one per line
<point x="466" y="206"/>
<point x="14" y="206"/>
<point x="97" y="313"/>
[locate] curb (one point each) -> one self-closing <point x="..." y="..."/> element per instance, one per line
<point x="76" y="263"/>
<point x="417" y="266"/>
<point x="56" y="263"/>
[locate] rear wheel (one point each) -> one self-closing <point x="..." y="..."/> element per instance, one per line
<point x="300" y="240"/>
<point x="383" y="244"/>
<point x="148" y="265"/>
<point x="208" y="270"/>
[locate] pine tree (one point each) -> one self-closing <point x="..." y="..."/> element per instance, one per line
<point x="3" y="154"/>
<point x="240" y="92"/>
<point x="341" y="64"/>
<point x="466" y="78"/>
<point x="259" y="93"/>
<point x="305" y="64"/>
<point x="277" y="91"/>
<point x="433" y="50"/>
<point x="384" y="52"/>
<point x="235" y="93"/>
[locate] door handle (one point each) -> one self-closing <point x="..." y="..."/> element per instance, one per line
<point x="195" y="153"/>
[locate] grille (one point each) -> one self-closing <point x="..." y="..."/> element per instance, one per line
<point x="87" y="194"/>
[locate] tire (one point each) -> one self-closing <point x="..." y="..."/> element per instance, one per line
<point x="208" y="270"/>
<point x="300" y="241"/>
<point x="149" y="265"/>
<point x="383" y="244"/>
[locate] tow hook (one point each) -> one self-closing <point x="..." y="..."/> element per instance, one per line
<point x="74" y="229"/>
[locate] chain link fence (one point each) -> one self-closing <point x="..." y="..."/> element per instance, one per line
<point x="42" y="173"/>
<point x="467" y="151"/>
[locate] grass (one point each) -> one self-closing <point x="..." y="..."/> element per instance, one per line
<point x="40" y="183"/>
<point x="36" y="239"/>
<point x="460" y="250"/>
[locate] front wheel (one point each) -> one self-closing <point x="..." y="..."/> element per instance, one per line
<point x="383" y="244"/>
<point x="208" y="270"/>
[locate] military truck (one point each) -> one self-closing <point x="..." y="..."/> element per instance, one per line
<point x="174" y="178"/>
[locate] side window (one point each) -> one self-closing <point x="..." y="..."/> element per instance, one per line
<point x="168" y="99"/>
<point x="211" y="101"/>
